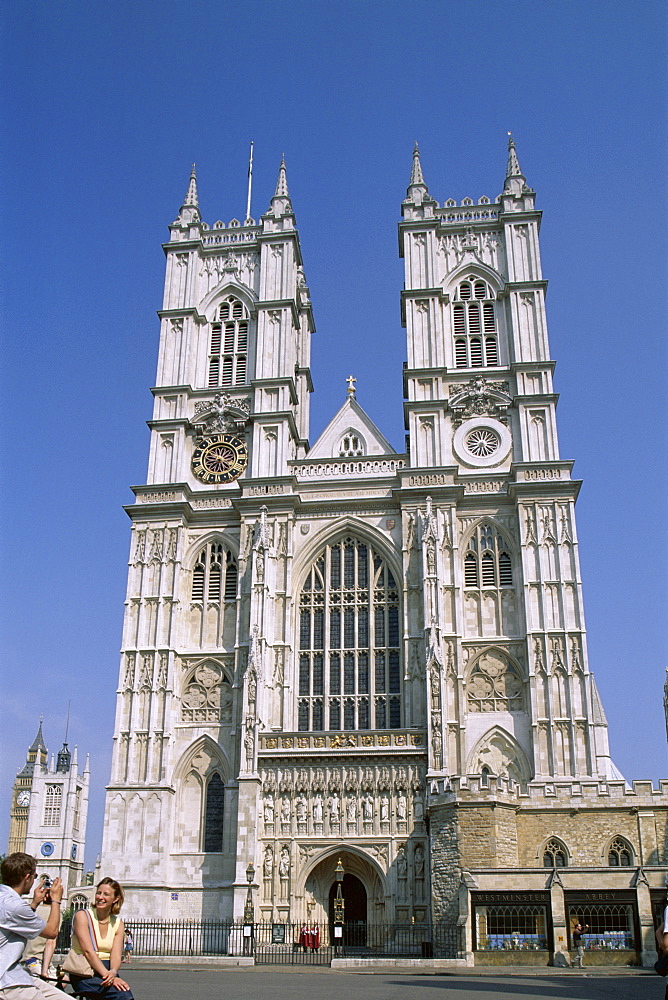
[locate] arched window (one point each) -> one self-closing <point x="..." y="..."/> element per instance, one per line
<point x="228" y="349"/>
<point x="620" y="854"/>
<point x="52" y="804"/>
<point x="349" y="642"/>
<point x="484" y="776"/>
<point x="79" y="902"/>
<point x="213" y="814"/>
<point x="352" y="445"/>
<point x="474" y="325"/>
<point x="215" y="573"/>
<point x="554" y="854"/>
<point x="487" y="562"/>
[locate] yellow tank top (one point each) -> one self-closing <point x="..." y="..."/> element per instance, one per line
<point x="104" y="941"/>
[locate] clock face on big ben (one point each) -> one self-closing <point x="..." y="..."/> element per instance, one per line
<point x="220" y="458"/>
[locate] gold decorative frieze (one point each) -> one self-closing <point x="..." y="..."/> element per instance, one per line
<point x="366" y="741"/>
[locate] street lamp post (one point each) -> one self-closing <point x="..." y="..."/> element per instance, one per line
<point x="339" y="907"/>
<point x="249" y="911"/>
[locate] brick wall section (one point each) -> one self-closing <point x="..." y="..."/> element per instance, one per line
<point x="445" y="860"/>
<point x="488" y="833"/>
<point x="502" y="828"/>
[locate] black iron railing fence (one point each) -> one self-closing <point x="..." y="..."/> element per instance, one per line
<point x="284" y="943"/>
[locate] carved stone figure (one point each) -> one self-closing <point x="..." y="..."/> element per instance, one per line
<point x="352" y="810"/>
<point x="402" y="864"/>
<point x="269" y="809"/>
<point x="317" y="809"/>
<point x="252" y="687"/>
<point x="419" y="861"/>
<point x="431" y="558"/>
<point x="284" y="863"/>
<point x="249" y="743"/>
<point x="384" y="808"/>
<point x="334" y="806"/>
<point x="418" y="808"/>
<point x="401" y="806"/>
<point x="367" y="808"/>
<point x="301" y="809"/>
<point x="285" y="810"/>
<point x="268" y="864"/>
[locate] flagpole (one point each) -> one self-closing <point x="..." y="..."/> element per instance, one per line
<point x="250" y="182"/>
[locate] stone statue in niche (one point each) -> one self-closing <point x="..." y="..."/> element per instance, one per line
<point x="419" y="861"/>
<point x="431" y="557"/>
<point x="317" y="809"/>
<point x="418" y="808"/>
<point x="367" y="808"/>
<point x="352" y="810"/>
<point x="334" y="809"/>
<point x="301" y="809"/>
<point x="401" y="806"/>
<point x="384" y="808"/>
<point x="285" y="810"/>
<point x="249" y="742"/>
<point x="435" y="684"/>
<point x="284" y="863"/>
<point x="269" y="809"/>
<point x="252" y="687"/>
<point x="268" y="863"/>
<point x="402" y="864"/>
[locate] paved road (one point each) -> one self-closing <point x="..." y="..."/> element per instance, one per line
<point x="328" y="984"/>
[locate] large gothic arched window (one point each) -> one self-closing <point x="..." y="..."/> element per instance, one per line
<point x="487" y="562"/>
<point x="215" y="574"/>
<point x="474" y="325"/>
<point x="214" y="812"/>
<point x="349" y="651"/>
<point x="228" y="349"/>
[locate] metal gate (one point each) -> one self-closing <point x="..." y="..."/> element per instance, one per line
<point x="291" y="944"/>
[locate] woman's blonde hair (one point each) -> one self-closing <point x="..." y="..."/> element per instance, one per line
<point x="118" y="893"/>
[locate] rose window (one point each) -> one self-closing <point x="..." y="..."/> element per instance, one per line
<point x="482" y="442"/>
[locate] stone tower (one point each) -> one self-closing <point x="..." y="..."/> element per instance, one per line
<point x="329" y="648"/>
<point x="49" y="811"/>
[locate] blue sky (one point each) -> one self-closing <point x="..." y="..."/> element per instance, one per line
<point x="105" y="107"/>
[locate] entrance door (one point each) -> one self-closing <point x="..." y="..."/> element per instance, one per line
<point x="354" y="895"/>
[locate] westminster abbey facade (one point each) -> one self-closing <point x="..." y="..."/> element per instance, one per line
<point x="334" y="651"/>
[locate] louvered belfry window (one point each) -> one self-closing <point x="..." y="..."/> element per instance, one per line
<point x="474" y="325"/>
<point x="228" y="354"/>
<point x="487" y="562"/>
<point x="214" y="573"/>
<point x="349" y="667"/>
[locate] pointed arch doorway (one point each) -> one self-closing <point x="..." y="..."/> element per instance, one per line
<point x="355" y="897"/>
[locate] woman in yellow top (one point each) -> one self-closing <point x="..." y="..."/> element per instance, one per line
<point x="104" y="953"/>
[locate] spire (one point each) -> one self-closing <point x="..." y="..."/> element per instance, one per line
<point x="189" y="211"/>
<point x="191" y="193"/>
<point x="280" y="203"/>
<point x="38" y="743"/>
<point x="416" y="172"/>
<point x="417" y="191"/>
<point x="282" y="182"/>
<point x="515" y="179"/>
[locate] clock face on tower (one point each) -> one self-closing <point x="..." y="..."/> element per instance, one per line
<point x="23" y="798"/>
<point x="220" y="458"/>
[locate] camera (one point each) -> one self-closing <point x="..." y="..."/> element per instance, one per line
<point x="47" y="882"/>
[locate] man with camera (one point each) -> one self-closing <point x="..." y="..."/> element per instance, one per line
<point x="39" y="951"/>
<point x="20" y="923"/>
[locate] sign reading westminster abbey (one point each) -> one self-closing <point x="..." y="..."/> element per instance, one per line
<point x="335" y="651"/>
